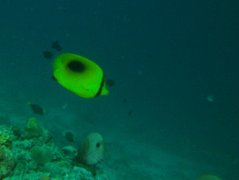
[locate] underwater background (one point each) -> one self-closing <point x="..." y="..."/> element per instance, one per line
<point x="173" y="112"/>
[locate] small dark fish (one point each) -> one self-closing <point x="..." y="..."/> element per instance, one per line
<point x="56" y="45"/>
<point x="16" y="131"/>
<point x="53" y="77"/>
<point x="130" y="112"/>
<point x="37" y="109"/>
<point x="110" y="82"/>
<point x="125" y="100"/>
<point x="69" y="136"/>
<point x="47" y="54"/>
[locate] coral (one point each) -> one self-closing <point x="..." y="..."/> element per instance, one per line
<point x="70" y="152"/>
<point x="16" y="131"/>
<point x="91" y="150"/>
<point x="32" y="129"/>
<point x="7" y="161"/>
<point x="84" y="174"/>
<point x="41" y="154"/>
<point x="32" y="123"/>
<point x="45" y="177"/>
<point x="69" y="136"/>
<point x="37" y="157"/>
<point x="5" y="136"/>
<point x="58" y="168"/>
<point x="80" y="173"/>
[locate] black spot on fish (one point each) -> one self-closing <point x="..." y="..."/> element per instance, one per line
<point x="98" y="144"/>
<point x="76" y="66"/>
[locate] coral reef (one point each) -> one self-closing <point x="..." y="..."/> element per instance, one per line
<point x="42" y="154"/>
<point x="5" y="136"/>
<point x="30" y="153"/>
<point x="7" y="161"/>
<point x="32" y="129"/>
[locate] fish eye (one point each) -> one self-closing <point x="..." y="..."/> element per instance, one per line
<point x="98" y="145"/>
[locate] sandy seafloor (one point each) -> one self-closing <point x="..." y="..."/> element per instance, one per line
<point x="129" y="156"/>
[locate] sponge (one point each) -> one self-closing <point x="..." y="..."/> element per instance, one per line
<point x="92" y="149"/>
